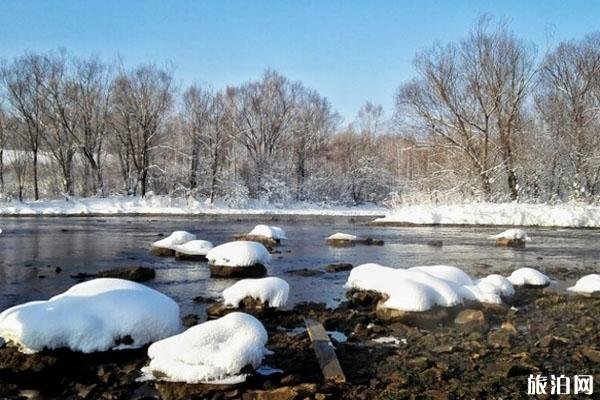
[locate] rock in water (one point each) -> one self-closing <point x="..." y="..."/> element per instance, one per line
<point x="136" y="274"/>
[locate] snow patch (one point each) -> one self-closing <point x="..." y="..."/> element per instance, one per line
<point x="512" y="234"/>
<point x="587" y="284"/>
<point x="271" y="232"/>
<point x="194" y="247"/>
<point x="273" y="290"/>
<point x="176" y="238"/>
<point x="342" y="236"/>
<point x="92" y="316"/>
<point x="212" y="352"/>
<point x="528" y="276"/>
<point x="576" y="215"/>
<point x="239" y="254"/>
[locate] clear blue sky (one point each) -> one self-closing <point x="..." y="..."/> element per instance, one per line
<point x="351" y="51"/>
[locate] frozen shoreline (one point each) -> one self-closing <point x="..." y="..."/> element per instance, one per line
<point x="164" y="205"/>
<point x="568" y="215"/>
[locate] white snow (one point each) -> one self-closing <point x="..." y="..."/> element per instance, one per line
<point x="239" y="254"/>
<point x="528" y="276"/>
<point x="514" y="234"/>
<point x="214" y="351"/>
<point x="92" y="316"/>
<point x="271" y="232"/>
<point x="421" y="288"/>
<point x="587" y="284"/>
<point x="273" y="290"/>
<point x="391" y="340"/>
<point x="342" y="236"/>
<point x="194" y="247"/>
<point x="158" y="204"/>
<point x="576" y="215"/>
<point x="176" y="238"/>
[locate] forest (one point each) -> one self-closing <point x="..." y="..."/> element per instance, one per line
<point x="490" y="117"/>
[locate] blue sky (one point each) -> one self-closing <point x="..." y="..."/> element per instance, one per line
<point x="351" y="51"/>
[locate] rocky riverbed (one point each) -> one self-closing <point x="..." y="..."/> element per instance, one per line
<point x="476" y="353"/>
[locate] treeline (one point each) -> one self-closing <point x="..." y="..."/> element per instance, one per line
<point x="486" y="118"/>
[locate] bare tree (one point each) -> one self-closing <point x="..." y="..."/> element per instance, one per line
<point x="23" y="82"/>
<point x="141" y="99"/>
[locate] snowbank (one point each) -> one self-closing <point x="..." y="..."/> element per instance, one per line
<point x="154" y="204"/>
<point x="271" y="232"/>
<point x="587" y="284"/>
<point x="342" y="236"/>
<point x="528" y="276"/>
<point x="176" y="238"/>
<point x="194" y="247"/>
<point x="424" y="287"/>
<point x="96" y="315"/>
<point x="512" y="234"/>
<point x="239" y="254"/>
<point x="574" y="215"/>
<point x="214" y="351"/>
<point x="272" y="290"/>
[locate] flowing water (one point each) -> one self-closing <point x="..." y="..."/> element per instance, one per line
<point x="32" y="247"/>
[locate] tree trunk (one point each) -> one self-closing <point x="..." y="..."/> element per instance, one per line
<point x="36" y="192"/>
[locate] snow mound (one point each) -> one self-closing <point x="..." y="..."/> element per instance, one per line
<point x="528" y="276"/>
<point x="239" y="254"/>
<point x="587" y="284"/>
<point x="512" y="234"/>
<point x="421" y="288"/>
<point x="92" y="316"/>
<point x="271" y="232"/>
<point x="176" y="238"/>
<point x="212" y="352"/>
<point x="194" y="247"/>
<point x="342" y="236"/>
<point x="272" y="290"/>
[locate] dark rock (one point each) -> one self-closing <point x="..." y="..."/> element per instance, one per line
<point x="82" y="276"/>
<point x="340" y="267"/>
<point x="500" y="339"/>
<point x="190" y="320"/>
<point x="592" y="354"/>
<point x="509" y="242"/>
<point x="340" y="242"/>
<point x="551" y="341"/>
<point x="189" y="257"/>
<point x="247" y="304"/>
<point x="269" y="243"/>
<point x="305" y="272"/>
<point x="136" y="274"/>
<point x="435" y="243"/>
<point x="363" y="298"/>
<point x="58" y="270"/>
<point x="254" y="271"/>
<point x="371" y="242"/>
<point x="425" y="319"/>
<point x="204" y="299"/>
<point x="162" y="251"/>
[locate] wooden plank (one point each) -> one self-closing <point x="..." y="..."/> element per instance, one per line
<point x="328" y="361"/>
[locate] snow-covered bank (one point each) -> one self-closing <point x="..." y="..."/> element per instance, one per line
<point x="169" y="205"/>
<point x="573" y="215"/>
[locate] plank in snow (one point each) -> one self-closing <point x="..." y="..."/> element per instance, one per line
<point x="328" y="361"/>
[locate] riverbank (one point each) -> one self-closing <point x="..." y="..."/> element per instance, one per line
<point x="540" y="332"/>
<point x="153" y="205"/>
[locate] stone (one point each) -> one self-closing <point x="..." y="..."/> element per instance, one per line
<point x="253" y="271"/>
<point x="424" y="319"/>
<point x="591" y="354"/>
<point x="204" y="299"/>
<point x="435" y="243"/>
<point x="551" y="341"/>
<point x="269" y="243"/>
<point x="189" y="257"/>
<point x="248" y="304"/>
<point x="305" y="272"/>
<point x="162" y="251"/>
<point x="471" y="320"/>
<point x="190" y="320"/>
<point x="339" y="267"/>
<point x="136" y="274"/>
<point x="510" y="242"/>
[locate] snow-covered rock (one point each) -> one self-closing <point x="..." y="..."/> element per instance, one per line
<point x="166" y="246"/>
<point x="193" y="250"/>
<point x="212" y="352"/>
<point x="528" y="277"/>
<point x="342" y="236"/>
<point x="271" y="290"/>
<point x="239" y="254"/>
<point x="97" y="315"/>
<point x="241" y="259"/>
<point x="512" y="237"/>
<point x="588" y="284"/>
<point x="271" y="232"/>
<point x="424" y="287"/>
